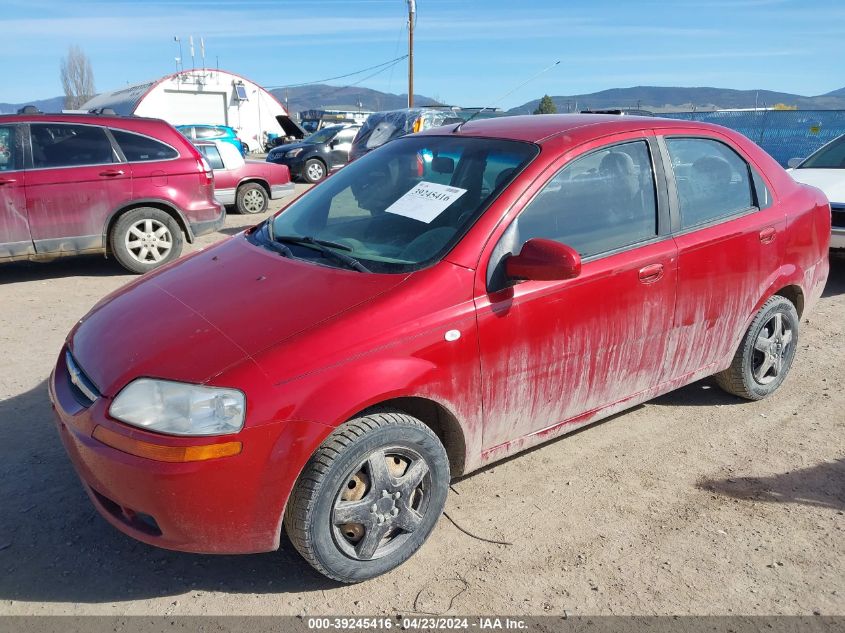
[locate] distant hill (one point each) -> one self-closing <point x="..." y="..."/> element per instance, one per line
<point x="324" y="96"/>
<point x="668" y="99"/>
<point x="45" y="105"/>
<point x="654" y="98"/>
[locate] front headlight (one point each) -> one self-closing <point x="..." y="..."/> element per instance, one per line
<point x="294" y="152"/>
<point x="178" y="408"/>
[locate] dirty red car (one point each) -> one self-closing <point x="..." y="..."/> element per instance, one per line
<point x="443" y="302"/>
<point x="128" y="187"/>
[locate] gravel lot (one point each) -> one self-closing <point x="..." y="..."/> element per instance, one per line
<point x="694" y="503"/>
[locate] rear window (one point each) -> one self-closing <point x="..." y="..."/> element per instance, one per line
<point x="212" y="155"/>
<point x="831" y="156"/>
<point x="209" y="132"/>
<point x="138" y="148"/>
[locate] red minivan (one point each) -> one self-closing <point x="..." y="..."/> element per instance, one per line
<point x="74" y="184"/>
<point x="445" y="301"/>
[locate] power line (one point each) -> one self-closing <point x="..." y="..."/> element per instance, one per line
<point x="357" y="72"/>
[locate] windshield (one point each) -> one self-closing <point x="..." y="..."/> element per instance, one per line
<point x="831" y="156"/>
<point x="404" y="206"/>
<point x="324" y="135"/>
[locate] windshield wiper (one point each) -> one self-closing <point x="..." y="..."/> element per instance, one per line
<point x="273" y="244"/>
<point x="325" y="247"/>
<point x="307" y="239"/>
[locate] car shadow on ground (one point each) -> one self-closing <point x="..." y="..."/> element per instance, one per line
<point x="54" y="547"/>
<point x="822" y="486"/>
<point x="81" y="266"/>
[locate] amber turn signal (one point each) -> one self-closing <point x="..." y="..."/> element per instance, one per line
<point x="162" y="453"/>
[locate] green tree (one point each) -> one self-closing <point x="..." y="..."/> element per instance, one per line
<point x="546" y="106"/>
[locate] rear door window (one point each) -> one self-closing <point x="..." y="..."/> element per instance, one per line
<point x="67" y="145"/>
<point x="138" y="148"/>
<point x="713" y="181"/>
<point x="209" y="132"/>
<point x="8" y="149"/>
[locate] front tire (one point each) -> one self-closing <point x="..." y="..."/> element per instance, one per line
<point x="144" y="239"/>
<point x="369" y="496"/>
<point x="314" y="170"/>
<point x="765" y="354"/>
<point x="251" y="198"/>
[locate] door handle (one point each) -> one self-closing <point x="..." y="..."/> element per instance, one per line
<point x="767" y="235"/>
<point x="7" y="181"/>
<point x="111" y="173"/>
<point x="650" y="274"/>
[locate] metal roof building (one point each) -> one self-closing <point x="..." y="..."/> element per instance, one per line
<point x="203" y="97"/>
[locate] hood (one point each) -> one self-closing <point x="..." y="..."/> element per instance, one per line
<point x="830" y="181"/>
<point x="194" y="319"/>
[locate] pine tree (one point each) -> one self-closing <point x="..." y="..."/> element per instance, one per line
<point x="546" y="106"/>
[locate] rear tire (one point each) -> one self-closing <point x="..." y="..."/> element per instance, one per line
<point x="144" y="239"/>
<point x="369" y="496"/>
<point x="251" y="198"/>
<point x="766" y="352"/>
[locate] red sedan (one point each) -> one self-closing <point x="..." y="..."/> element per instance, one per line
<point x="445" y="301"/>
<point x="248" y="185"/>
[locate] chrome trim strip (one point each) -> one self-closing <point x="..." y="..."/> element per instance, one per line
<point x="79" y="379"/>
<point x="225" y="196"/>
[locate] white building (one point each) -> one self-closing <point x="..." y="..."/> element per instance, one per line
<point x="203" y="97"/>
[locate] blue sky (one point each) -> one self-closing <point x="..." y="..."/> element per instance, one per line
<point x="468" y="52"/>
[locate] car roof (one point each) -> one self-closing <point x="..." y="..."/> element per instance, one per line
<point x="539" y="128"/>
<point x="100" y="119"/>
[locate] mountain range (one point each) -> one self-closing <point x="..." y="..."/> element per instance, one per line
<point x="666" y="99"/>
<point x="653" y="98"/>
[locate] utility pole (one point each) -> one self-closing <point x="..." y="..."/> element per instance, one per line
<point x="412" y="14"/>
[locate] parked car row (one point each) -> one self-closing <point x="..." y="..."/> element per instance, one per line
<point x="457" y="296"/>
<point x="129" y="187"/>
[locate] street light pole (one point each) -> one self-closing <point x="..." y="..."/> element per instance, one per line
<point x="412" y="12"/>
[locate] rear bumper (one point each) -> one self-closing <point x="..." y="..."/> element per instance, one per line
<point x="209" y="226"/>
<point x="281" y="191"/>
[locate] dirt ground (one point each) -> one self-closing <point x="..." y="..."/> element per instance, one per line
<point x="694" y="503"/>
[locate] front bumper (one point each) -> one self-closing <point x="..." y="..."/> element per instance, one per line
<point x="227" y="505"/>
<point x="281" y="191"/>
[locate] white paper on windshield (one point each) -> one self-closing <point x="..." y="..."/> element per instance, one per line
<point x="425" y="201"/>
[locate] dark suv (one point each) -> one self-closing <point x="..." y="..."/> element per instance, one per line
<point x="129" y="187"/>
<point x="314" y="157"/>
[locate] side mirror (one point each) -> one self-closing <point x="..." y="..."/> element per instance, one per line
<point x="794" y="162"/>
<point x="544" y="260"/>
<point x="333" y="143"/>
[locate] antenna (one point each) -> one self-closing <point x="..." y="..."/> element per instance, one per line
<point x="202" y="51"/>
<point x="193" y="64"/>
<point x="177" y="39"/>
<point x="495" y="101"/>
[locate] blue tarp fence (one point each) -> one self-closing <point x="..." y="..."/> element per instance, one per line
<point x="784" y="134"/>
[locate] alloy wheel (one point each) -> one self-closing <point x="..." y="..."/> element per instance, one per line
<point x="770" y="348"/>
<point x="381" y="503"/>
<point x="253" y="201"/>
<point x="148" y="241"/>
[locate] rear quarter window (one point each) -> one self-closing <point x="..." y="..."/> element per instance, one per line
<point x="138" y="148"/>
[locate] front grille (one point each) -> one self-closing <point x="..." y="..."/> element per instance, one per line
<point x="837" y="217"/>
<point x="82" y="387"/>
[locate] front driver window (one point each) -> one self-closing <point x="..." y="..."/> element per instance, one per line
<point x="597" y="204"/>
